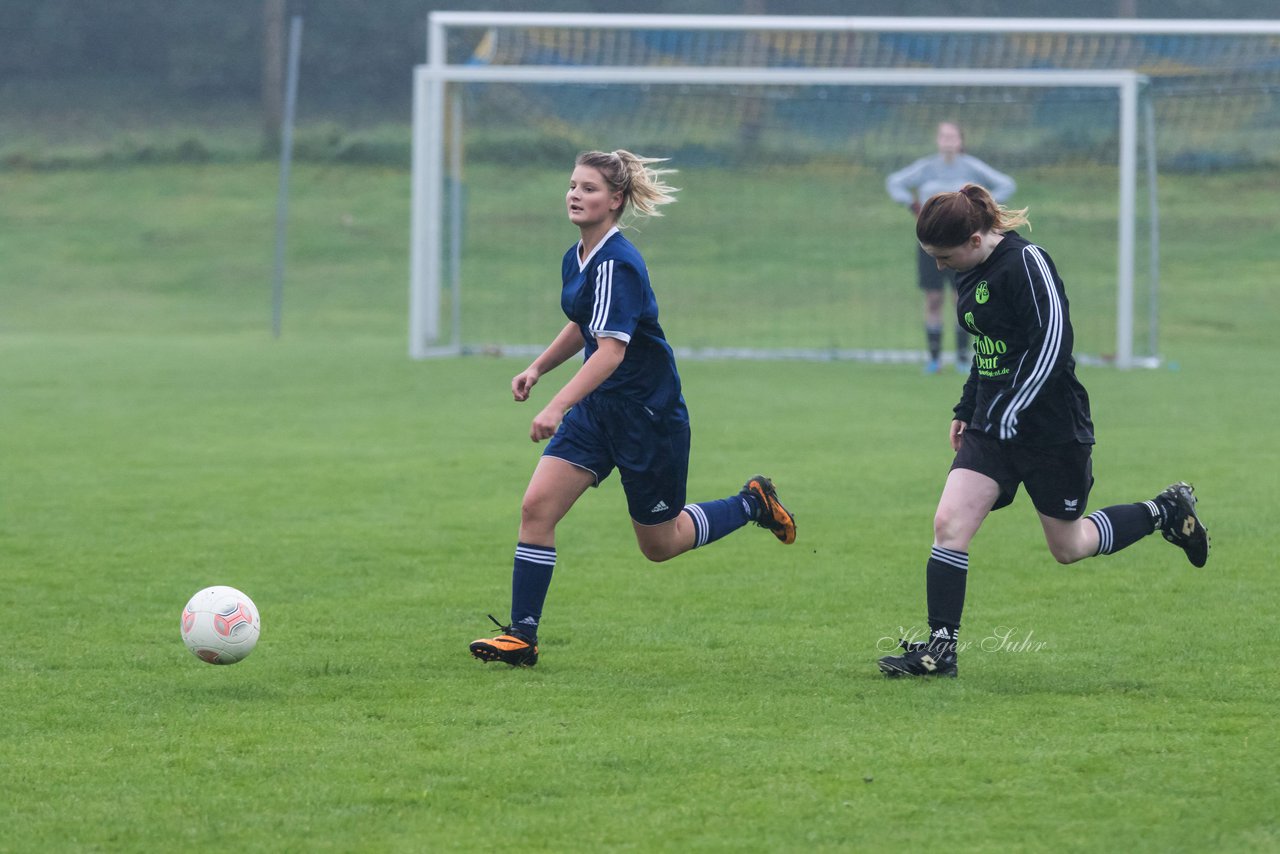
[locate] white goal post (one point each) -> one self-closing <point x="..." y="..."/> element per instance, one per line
<point x="428" y="252"/>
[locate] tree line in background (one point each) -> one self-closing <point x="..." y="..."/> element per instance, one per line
<point x="217" y="47"/>
<point x="358" y="53"/>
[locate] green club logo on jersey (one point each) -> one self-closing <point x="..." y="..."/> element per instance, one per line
<point x="982" y="294"/>
<point x="987" y="351"/>
<point x="968" y="321"/>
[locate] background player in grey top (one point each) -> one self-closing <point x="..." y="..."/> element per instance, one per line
<point x="944" y="172"/>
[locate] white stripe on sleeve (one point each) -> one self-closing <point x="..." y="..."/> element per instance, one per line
<point x="604" y="297"/>
<point x="1038" y="274"/>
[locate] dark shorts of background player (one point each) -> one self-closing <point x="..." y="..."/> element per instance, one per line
<point x="650" y="449"/>
<point x="1058" y="477"/>
<point x="928" y="274"/>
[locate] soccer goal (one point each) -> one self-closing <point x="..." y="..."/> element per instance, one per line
<point x="785" y="244"/>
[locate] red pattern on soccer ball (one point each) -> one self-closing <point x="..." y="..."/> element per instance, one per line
<point x="225" y="624"/>
<point x="188" y="620"/>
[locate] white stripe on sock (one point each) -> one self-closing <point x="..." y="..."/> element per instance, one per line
<point x="1106" y="533"/>
<point x="536" y="554"/>
<point x="951" y="557"/>
<point x="701" y="527"/>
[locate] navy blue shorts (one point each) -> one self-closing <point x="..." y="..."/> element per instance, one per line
<point x="649" y="448"/>
<point x="1058" y="477"/>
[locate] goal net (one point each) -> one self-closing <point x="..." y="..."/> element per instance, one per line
<point x="785" y="243"/>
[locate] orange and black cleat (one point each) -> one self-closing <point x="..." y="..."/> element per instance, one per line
<point x="509" y="647"/>
<point x="773" y="515"/>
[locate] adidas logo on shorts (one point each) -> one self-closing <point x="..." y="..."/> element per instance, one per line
<point x="659" y="507"/>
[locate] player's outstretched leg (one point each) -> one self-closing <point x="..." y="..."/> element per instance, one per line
<point x="1181" y="524"/>
<point x="772" y="515"/>
<point x="921" y="659"/>
<point x="510" y="647"/>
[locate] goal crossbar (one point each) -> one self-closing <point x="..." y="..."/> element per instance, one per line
<point x="722" y="76"/>
<point x="441" y="20"/>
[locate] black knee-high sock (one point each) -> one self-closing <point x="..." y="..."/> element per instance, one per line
<point x="933" y="340"/>
<point x="1122" y="525"/>
<point x="945" y="577"/>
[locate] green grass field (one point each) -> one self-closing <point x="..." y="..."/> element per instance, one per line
<point x="154" y="439"/>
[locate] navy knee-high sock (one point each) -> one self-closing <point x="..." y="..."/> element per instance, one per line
<point x="1123" y="525"/>
<point x="714" y="519"/>
<point x="945" y="577"/>
<point x="530" y="579"/>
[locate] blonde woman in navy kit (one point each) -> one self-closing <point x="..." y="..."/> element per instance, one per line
<point x="623" y="408"/>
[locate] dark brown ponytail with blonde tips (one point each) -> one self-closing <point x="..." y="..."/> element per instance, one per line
<point x="949" y="219"/>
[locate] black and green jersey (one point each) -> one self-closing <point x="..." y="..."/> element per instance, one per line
<point x="1022" y="386"/>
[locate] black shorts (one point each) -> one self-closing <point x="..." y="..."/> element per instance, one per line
<point x="1058" y="477"/>
<point x="928" y="274"/>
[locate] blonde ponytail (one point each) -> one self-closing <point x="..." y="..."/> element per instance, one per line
<point x="642" y="186"/>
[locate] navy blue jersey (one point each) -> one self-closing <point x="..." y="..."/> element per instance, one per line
<point x="608" y="295"/>
<point x="1022" y="386"/>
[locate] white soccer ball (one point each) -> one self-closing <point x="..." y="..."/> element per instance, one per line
<point x="220" y="625"/>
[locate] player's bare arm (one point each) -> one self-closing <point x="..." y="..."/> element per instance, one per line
<point x="593" y="372"/>
<point x="566" y="344"/>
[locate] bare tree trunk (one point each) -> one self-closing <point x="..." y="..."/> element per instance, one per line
<point x="272" y="70"/>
